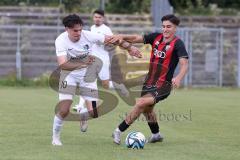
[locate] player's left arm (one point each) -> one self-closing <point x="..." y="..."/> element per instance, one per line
<point x="182" y="54"/>
<point x="183" y="63"/>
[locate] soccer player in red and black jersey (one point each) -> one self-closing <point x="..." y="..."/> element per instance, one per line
<point x="167" y="51"/>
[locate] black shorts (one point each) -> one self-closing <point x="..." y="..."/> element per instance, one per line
<point x="158" y="93"/>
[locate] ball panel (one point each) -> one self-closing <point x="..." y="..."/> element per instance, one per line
<point x="135" y="140"/>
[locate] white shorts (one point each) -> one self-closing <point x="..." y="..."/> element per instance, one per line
<point x="70" y="85"/>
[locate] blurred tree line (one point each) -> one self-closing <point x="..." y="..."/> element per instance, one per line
<point x="133" y="6"/>
<point x="208" y="7"/>
<point x="128" y="6"/>
<point x="184" y="4"/>
<point x="67" y="5"/>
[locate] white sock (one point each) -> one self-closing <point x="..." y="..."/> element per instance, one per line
<point x="117" y="129"/>
<point x="81" y="102"/>
<point x="57" y="125"/>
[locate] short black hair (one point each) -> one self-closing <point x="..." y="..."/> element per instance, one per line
<point x="99" y="11"/>
<point x="172" y="18"/>
<point x="71" y="20"/>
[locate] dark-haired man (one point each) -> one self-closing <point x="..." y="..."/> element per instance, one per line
<point x="73" y="48"/>
<point x="167" y="51"/>
<point x="99" y="50"/>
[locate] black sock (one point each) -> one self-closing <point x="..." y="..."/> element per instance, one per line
<point x="154" y="127"/>
<point x="94" y="106"/>
<point x="123" y="126"/>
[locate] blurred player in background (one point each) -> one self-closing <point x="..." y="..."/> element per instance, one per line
<point x="73" y="49"/>
<point x="167" y="51"/>
<point x="99" y="50"/>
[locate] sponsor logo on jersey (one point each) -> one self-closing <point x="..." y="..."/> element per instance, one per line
<point x="158" y="53"/>
<point x="86" y="47"/>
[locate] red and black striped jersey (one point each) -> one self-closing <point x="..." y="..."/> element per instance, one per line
<point x="164" y="58"/>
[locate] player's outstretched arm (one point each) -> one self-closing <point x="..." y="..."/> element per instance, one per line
<point x="71" y="65"/>
<point x="132" y="50"/>
<point x="119" y="38"/>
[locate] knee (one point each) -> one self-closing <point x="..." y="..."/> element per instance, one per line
<point x="63" y="113"/>
<point x="141" y="104"/>
<point x="148" y="109"/>
<point x="63" y="108"/>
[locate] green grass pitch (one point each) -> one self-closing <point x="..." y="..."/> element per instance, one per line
<point x="207" y="128"/>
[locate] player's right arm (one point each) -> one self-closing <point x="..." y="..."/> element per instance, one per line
<point x="134" y="38"/>
<point x="105" y="39"/>
<point x="63" y="62"/>
<point x="132" y="50"/>
<point x="71" y="65"/>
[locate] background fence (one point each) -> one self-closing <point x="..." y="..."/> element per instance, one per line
<point x="28" y="51"/>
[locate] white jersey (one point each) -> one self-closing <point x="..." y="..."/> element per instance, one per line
<point x="77" y="50"/>
<point x="98" y="49"/>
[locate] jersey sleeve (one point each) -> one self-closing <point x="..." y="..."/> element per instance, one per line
<point x="149" y="38"/>
<point x="60" y="48"/>
<point x="180" y="49"/>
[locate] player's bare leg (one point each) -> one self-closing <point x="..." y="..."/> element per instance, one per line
<point x="140" y="106"/>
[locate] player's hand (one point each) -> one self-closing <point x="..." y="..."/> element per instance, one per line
<point x="86" y="62"/>
<point x="115" y="39"/>
<point x="134" y="51"/>
<point x="90" y="60"/>
<point x="176" y="82"/>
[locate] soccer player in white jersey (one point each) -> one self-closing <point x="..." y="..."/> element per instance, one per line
<point x="99" y="51"/>
<point x="72" y="49"/>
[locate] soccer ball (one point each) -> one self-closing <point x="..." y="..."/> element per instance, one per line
<point x="135" y="140"/>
